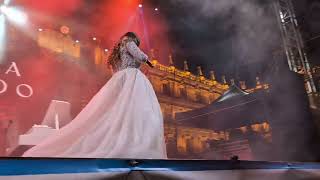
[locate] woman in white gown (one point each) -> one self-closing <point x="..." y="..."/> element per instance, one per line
<point x="123" y="120"/>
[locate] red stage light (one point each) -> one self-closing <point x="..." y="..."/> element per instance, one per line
<point x="156" y="9"/>
<point x="64" y="29"/>
<point x="140" y="5"/>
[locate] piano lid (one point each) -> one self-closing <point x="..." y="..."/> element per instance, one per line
<point x="57" y="110"/>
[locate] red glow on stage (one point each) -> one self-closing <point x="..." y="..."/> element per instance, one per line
<point x="51" y="78"/>
<point x="39" y="72"/>
<point x="44" y="73"/>
<point x="104" y="21"/>
<point x="52" y="7"/>
<point x="113" y="18"/>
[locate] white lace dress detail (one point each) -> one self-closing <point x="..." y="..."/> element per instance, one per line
<point x="131" y="56"/>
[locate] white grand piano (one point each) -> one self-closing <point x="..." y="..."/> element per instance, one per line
<point x="57" y="116"/>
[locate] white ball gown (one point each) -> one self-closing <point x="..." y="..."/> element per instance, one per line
<point x="123" y="120"/>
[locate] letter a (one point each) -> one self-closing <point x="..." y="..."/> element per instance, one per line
<point x="13" y="68"/>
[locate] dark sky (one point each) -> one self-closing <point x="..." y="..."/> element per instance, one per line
<point x="234" y="38"/>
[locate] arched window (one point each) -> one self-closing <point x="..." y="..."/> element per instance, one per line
<point x="198" y="96"/>
<point x="183" y="92"/>
<point x="166" y="89"/>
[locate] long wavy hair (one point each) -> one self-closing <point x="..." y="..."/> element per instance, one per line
<point x="114" y="58"/>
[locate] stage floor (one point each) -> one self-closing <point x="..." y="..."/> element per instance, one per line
<point x="56" y="168"/>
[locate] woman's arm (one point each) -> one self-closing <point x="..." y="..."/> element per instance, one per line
<point x="136" y="52"/>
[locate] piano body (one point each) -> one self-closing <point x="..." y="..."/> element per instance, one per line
<point x="57" y="116"/>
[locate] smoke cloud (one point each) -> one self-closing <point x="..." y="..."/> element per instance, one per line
<point x="252" y="28"/>
<point x="248" y="29"/>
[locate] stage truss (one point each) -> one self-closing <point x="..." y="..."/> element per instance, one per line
<point x="293" y="43"/>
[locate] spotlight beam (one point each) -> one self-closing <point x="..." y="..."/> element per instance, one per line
<point x="145" y="30"/>
<point x="14" y="15"/>
<point x="3" y="9"/>
<point x="2" y="37"/>
<point x="6" y="2"/>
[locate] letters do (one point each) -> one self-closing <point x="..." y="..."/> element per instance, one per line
<point x="22" y="90"/>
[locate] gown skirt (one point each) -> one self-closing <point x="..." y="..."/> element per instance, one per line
<point x="123" y="120"/>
